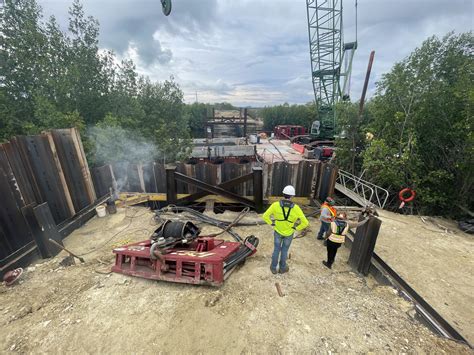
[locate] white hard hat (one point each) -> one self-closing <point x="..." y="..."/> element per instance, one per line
<point x="289" y="190"/>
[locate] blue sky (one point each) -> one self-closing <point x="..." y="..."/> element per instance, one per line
<point x="256" y="52"/>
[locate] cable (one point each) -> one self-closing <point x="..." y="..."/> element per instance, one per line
<point x="234" y="222"/>
<point x="122" y="230"/>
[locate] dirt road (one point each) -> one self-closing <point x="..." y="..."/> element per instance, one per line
<point x="79" y="309"/>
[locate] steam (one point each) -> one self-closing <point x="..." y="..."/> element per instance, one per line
<point x="120" y="147"/>
<point x="115" y="144"/>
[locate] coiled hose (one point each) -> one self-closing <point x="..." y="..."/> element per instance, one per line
<point x="209" y="220"/>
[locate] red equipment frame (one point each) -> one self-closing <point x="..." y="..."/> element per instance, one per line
<point x="200" y="262"/>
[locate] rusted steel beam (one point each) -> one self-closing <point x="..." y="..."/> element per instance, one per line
<point x="364" y="244"/>
<point x="257" y="172"/>
<point x="213" y="189"/>
<point x="366" y="83"/>
<point x="225" y="185"/>
<point x="171" y="196"/>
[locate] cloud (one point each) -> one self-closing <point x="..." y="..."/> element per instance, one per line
<point x="256" y="52"/>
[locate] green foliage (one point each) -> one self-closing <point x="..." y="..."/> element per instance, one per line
<point x="197" y="115"/>
<point x="351" y="138"/>
<point x="56" y="79"/>
<point x="421" y="117"/>
<point x="285" y="114"/>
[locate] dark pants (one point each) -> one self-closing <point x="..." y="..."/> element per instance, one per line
<point x="332" y="251"/>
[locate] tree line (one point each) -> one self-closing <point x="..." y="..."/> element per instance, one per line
<point x="52" y="78"/>
<point x="417" y="130"/>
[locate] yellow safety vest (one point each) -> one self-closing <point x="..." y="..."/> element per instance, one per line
<point x="338" y="237"/>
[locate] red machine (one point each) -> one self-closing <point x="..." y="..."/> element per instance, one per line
<point x="288" y="131"/>
<point x="177" y="253"/>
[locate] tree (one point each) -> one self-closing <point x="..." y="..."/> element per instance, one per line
<point x="22" y="56"/>
<point x="285" y="114"/>
<point x="422" y="123"/>
<point x="197" y="116"/>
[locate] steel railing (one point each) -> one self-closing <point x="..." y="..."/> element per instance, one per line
<point x="368" y="191"/>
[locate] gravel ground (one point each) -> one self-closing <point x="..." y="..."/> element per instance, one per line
<point x="85" y="309"/>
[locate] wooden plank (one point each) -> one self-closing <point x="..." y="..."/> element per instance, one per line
<point x="84" y="165"/>
<point x="60" y="172"/>
<point x="72" y="168"/>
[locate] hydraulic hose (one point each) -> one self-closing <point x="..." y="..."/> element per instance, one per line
<point x="245" y="250"/>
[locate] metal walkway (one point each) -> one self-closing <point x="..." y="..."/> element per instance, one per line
<point x="361" y="191"/>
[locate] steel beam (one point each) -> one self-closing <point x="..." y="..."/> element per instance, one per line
<point x="171" y="188"/>
<point x="212" y="189"/>
<point x="258" y="188"/>
<point x="225" y="185"/>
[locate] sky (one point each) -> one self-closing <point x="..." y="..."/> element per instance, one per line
<point x="256" y="52"/>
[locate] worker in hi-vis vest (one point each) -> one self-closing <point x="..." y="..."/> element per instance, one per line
<point x="285" y="214"/>
<point x="328" y="214"/>
<point x="339" y="229"/>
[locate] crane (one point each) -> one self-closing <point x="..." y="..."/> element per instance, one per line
<point x="331" y="66"/>
<point x="331" y="62"/>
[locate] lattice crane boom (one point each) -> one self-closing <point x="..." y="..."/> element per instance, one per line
<point x="331" y="62"/>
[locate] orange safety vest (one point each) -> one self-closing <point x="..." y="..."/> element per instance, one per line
<point x="330" y="208"/>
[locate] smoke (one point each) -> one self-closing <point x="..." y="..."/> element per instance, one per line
<point x="120" y="148"/>
<point x="114" y="144"/>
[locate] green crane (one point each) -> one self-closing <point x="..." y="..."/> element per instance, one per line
<point x="331" y="64"/>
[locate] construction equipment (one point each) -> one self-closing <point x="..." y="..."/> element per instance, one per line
<point x="288" y="131"/>
<point x="166" y="7"/>
<point x="331" y="68"/>
<point x="177" y="253"/>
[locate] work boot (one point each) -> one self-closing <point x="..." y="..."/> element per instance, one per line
<point x="273" y="271"/>
<point x="325" y="263"/>
<point x="282" y="271"/>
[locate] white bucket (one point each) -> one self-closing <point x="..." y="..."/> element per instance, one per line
<point x="100" y="210"/>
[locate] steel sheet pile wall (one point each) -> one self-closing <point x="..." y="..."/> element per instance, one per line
<point x="50" y="167"/>
<point x="310" y="177"/>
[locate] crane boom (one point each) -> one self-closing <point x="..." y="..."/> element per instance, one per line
<point x="331" y="62"/>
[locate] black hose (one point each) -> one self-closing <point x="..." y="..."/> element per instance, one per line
<point x="210" y="220"/>
<point x="243" y="252"/>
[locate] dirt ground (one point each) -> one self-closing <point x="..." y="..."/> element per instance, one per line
<point x="82" y="309"/>
<point x="437" y="260"/>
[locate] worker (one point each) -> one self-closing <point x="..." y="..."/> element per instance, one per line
<point x="285" y="214"/>
<point x="328" y="213"/>
<point x="339" y="229"/>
